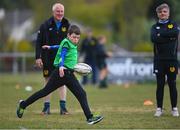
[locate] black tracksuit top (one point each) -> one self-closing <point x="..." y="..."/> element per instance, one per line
<point x="165" y="39"/>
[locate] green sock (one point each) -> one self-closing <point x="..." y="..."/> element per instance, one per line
<point x="46" y="105"/>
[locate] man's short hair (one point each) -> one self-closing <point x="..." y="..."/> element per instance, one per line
<point x="55" y="5"/>
<point x="162" y="6"/>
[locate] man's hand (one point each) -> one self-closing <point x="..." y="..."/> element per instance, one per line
<point x="61" y="71"/>
<point x="39" y="63"/>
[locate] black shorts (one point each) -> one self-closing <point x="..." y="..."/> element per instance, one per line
<point x="47" y="70"/>
<point x="166" y="67"/>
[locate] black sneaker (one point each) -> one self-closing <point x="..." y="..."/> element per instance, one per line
<point x="46" y="111"/>
<point x="94" y="119"/>
<point x="19" y="111"/>
<point x="64" y="112"/>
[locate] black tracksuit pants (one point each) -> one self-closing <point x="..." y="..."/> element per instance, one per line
<point x="55" y="82"/>
<point x="171" y="80"/>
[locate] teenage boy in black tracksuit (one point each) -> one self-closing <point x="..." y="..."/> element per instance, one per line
<point x="164" y="35"/>
<point x="52" y="32"/>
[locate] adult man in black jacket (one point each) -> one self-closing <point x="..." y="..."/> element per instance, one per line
<point x="51" y="32"/>
<point x="164" y="35"/>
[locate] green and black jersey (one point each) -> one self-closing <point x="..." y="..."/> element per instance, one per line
<point x="71" y="57"/>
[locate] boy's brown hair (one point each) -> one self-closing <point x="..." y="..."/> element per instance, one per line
<point x="74" y="29"/>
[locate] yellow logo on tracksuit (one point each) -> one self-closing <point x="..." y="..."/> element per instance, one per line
<point x="46" y="72"/>
<point x="170" y="26"/>
<point x="172" y="69"/>
<point x="63" y="29"/>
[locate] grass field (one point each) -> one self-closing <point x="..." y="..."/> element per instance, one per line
<point x="121" y="106"/>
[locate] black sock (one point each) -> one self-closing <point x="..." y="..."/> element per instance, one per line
<point x="62" y="104"/>
<point x="46" y="105"/>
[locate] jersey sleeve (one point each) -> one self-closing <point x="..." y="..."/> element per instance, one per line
<point x="62" y="56"/>
<point x="54" y="47"/>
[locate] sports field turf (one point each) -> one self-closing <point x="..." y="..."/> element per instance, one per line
<point x="122" y="106"/>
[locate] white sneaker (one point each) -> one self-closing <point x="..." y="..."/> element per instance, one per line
<point x="158" y="112"/>
<point x="175" y="112"/>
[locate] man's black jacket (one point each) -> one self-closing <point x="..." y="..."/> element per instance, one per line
<point x="165" y="39"/>
<point x="48" y="34"/>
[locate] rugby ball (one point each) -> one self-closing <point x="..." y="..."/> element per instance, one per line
<point x="82" y="68"/>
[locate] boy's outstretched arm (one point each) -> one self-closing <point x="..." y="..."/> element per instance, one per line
<point x="50" y="47"/>
<point x="61" y="64"/>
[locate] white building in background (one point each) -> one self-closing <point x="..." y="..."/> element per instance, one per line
<point x="18" y="24"/>
<point x="19" y="32"/>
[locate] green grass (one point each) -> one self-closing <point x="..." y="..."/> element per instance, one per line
<point x="122" y="107"/>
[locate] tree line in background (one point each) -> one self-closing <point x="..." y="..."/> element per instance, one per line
<point x="125" y="22"/>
